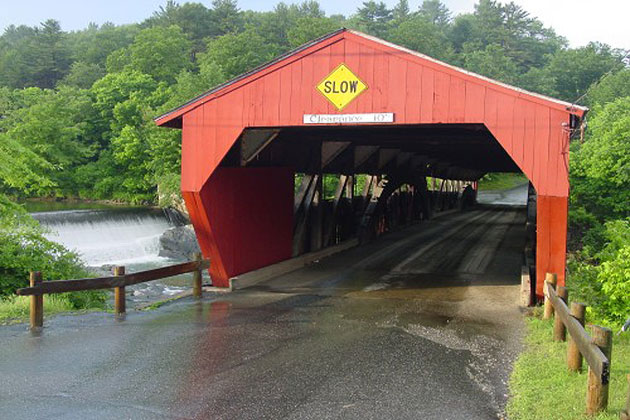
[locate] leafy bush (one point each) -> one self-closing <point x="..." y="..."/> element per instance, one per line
<point x="24" y="248"/>
<point x="602" y="278"/>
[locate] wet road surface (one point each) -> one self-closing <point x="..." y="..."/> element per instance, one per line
<point x="420" y="324"/>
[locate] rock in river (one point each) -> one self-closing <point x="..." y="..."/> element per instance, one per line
<point x="178" y="243"/>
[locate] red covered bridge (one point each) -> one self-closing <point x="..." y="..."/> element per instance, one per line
<point x="349" y="104"/>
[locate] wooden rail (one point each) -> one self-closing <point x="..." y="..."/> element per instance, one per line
<point x="118" y="281"/>
<point x="595" y="349"/>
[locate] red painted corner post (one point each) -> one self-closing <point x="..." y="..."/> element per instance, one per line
<point x="551" y="239"/>
<point x="243" y="218"/>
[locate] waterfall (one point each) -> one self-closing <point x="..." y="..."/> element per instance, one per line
<point x="112" y="236"/>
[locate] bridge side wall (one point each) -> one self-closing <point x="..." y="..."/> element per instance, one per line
<point x="243" y="219"/>
<point x="551" y="239"/>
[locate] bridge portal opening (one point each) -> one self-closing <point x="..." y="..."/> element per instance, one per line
<point x="417" y="130"/>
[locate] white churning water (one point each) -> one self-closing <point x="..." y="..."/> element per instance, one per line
<point x="119" y="236"/>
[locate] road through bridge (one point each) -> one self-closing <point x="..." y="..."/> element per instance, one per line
<point x="420" y="323"/>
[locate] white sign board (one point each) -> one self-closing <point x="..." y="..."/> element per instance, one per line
<point x="383" y="117"/>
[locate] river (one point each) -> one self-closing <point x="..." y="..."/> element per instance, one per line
<point x="104" y="236"/>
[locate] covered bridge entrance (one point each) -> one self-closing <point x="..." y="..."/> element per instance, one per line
<point x="349" y="104"/>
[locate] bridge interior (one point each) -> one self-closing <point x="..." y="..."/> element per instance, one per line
<point x="379" y="177"/>
<point x="453" y="151"/>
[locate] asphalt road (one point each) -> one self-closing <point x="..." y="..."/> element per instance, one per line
<point x="420" y="324"/>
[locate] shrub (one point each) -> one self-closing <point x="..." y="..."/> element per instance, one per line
<point x="602" y="278"/>
<point x="24" y="248"/>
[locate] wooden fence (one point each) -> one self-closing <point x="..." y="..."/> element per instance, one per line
<point x="118" y="282"/>
<point x="595" y="349"/>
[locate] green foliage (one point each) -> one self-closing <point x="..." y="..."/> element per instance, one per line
<point x="600" y="275"/>
<point x="610" y="87"/>
<point x="501" y="181"/>
<point x="24" y="248"/>
<point x="308" y="28"/>
<point x="238" y="53"/>
<point x="491" y="62"/>
<point x="574" y="70"/>
<point x="34" y="56"/>
<point x="600" y="169"/>
<point x="374" y="18"/>
<point x="161" y="52"/>
<point x="82" y="75"/>
<point x="420" y="34"/>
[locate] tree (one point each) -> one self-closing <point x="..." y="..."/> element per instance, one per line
<point x="52" y="126"/>
<point x="238" y="53"/>
<point x="115" y="88"/>
<point x="93" y="45"/>
<point x="309" y="28"/>
<point x="419" y="34"/>
<point x="34" y="57"/>
<point x="374" y="18"/>
<point x="190" y="84"/>
<point x="435" y="12"/>
<point x="161" y="52"/>
<point x="574" y="70"/>
<point x="491" y="62"/>
<point x="274" y="26"/>
<point x="600" y="170"/>
<point x="226" y="17"/>
<point x="82" y="75"/>
<point x="400" y="13"/>
<point x="610" y="87"/>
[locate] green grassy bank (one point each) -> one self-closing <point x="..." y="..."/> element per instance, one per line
<point x="542" y="389"/>
<point x="16" y="308"/>
<point x="501" y="181"/>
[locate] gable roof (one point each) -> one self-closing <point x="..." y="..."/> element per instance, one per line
<point x="173" y="118"/>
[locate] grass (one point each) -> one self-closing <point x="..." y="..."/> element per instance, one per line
<point x="542" y="388"/>
<point x="501" y="181"/>
<point x="16" y="309"/>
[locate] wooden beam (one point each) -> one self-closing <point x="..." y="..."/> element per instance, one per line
<point x="385" y="156"/>
<point x="301" y="193"/>
<point x="301" y="217"/>
<point x="402" y="158"/>
<point x="332" y="149"/>
<point x="253" y="142"/>
<point x="362" y="154"/>
<point x="597" y="360"/>
<point x="62" y="286"/>
<point x="341" y="186"/>
<point x="316" y="217"/>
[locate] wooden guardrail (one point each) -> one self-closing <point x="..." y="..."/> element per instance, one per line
<point x="118" y="282"/>
<point x="595" y="349"/>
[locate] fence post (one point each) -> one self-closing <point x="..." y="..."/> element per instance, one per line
<point x="37" y="302"/>
<point x="559" y="329"/>
<point x="574" y="357"/>
<point x="625" y="413"/>
<point x="119" y="293"/>
<point x="597" y="392"/>
<point x="549" y="278"/>
<point x="197" y="292"/>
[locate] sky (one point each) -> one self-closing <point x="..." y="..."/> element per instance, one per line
<point x="580" y="21"/>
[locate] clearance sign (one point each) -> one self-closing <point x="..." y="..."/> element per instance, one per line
<point x="341" y="86"/>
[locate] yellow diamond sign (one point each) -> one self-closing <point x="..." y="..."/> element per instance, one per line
<point x="341" y="86"/>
